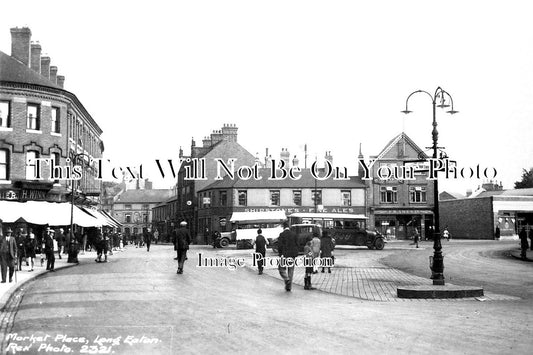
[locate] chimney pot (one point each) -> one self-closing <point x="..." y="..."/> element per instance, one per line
<point x="53" y="74"/>
<point x="60" y="81"/>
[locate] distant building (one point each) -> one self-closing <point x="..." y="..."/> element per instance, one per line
<point x="477" y="217"/>
<point x="133" y="208"/>
<point x="397" y="205"/>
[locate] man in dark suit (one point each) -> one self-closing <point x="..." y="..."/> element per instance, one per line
<point x="8" y="255"/>
<point x="183" y="239"/>
<point x="287" y="249"/>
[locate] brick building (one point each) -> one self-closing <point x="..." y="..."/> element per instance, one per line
<point x="477" y="217"/>
<point x="221" y="144"/>
<point x="40" y="119"/>
<point x="396" y="206"/>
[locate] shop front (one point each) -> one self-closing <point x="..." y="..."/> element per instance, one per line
<point x="401" y="223"/>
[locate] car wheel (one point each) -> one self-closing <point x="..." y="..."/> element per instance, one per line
<point x="379" y="244"/>
<point x="224" y="243"/>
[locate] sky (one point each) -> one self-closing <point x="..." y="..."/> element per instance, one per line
<point x="329" y="74"/>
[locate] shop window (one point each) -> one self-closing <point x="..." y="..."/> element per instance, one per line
<point x="5" y="114"/>
<point x="128" y="218"/>
<point x="417" y="194"/>
<point x="274" y="198"/>
<point x="33" y="117"/>
<point x="388" y="194"/>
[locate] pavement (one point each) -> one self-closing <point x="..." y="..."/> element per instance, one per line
<point x="367" y="278"/>
<point x="23" y="276"/>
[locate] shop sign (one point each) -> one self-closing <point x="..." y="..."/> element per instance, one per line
<point x="392" y="212"/>
<point x="23" y="195"/>
<point x="289" y="210"/>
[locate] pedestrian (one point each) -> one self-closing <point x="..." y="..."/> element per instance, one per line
<point x="183" y="239"/>
<point x="497" y="233"/>
<point x="531" y="238"/>
<point x="31" y="248"/>
<point x="260" y="247"/>
<point x="50" y="245"/>
<point x="174" y="242"/>
<point x="523" y="243"/>
<point x="21" y="250"/>
<point x="8" y="254"/>
<point x="99" y="246"/>
<point x="315" y="246"/>
<point x="60" y="238"/>
<point x="287" y="250"/>
<point x="309" y="267"/>
<point x="326" y="250"/>
<point x="446" y="234"/>
<point x="156" y="236"/>
<point x="416" y="236"/>
<point x="147" y="239"/>
<point x="74" y="249"/>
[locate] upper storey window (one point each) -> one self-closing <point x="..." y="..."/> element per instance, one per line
<point x="5" y="114"/>
<point x="55" y="120"/>
<point x="33" y="117"/>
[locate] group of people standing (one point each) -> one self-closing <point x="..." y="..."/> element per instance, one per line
<point x="288" y="246"/>
<point x="21" y="247"/>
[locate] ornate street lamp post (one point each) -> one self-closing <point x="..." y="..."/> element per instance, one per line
<point x="441" y="99"/>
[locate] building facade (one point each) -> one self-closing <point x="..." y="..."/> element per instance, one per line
<point x="221" y="144"/>
<point x="400" y="203"/>
<point x="39" y="119"/>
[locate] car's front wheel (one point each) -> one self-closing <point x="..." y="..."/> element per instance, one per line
<point x="379" y="244"/>
<point x="224" y="242"/>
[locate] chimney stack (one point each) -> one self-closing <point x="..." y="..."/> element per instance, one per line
<point x="60" y="81"/>
<point x="295" y="161"/>
<point x="35" y="63"/>
<point x="329" y="157"/>
<point x="20" y="44"/>
<point x="285" y="156"/>
<point x="45" y="67"/>
<point x="53" y="74"/>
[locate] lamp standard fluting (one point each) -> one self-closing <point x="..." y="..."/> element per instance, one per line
<point x="74" y="160"/>
<point x="442" y="99"/>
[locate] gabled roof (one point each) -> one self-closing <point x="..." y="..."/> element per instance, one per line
<point x="392" y="143"/>
<point x="15" y="71"/>
<point x="445" y="195"/>
<point x="144" y="196"/>
<point x="306" y="181"/>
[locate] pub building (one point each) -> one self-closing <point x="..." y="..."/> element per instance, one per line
<point x="397" y="206"/>
<point x="39" y="119"/>
<point x="218" y="201"/>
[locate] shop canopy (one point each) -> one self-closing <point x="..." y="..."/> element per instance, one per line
<point x="101" y="217"/>
<point x="42" y="212"/>
<point x="258" y="217"/>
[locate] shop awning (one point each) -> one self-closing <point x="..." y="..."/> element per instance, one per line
<point x="104" y="220"/>
<point x="42" y="212"/>
<point x="117" y="223"/>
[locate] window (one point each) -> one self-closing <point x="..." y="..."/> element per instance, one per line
<point x="145" y="218"/>
<point x="346" y="198"/>
<point x="317" y="197"/>
<point x="33" y="117"/>
<point x="388" y="194"/>
<point x="128" y="218"/>
<point x="243" y="197"/>
<point x="55" y="120"/>
<point x="5" y="114"/>
<point x="417" y="194"/>
<point x="297" y="197"/>
<point x="146" y="207"/>
<point x="56" y="159"/>
<point x="223" y="198"/>
<point x="128" y="207"/>
<point x="31" y="164"/>
<point x="4" y="164"/>
<point x="274" y="197"/>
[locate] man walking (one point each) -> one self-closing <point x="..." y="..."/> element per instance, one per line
<point x="260" y="248"/>
<point x="523" y="243"/>
<point x="8" y="255"/>
<point x="147" y="239"/>
<point x="288" y="251"/>
<point x="183" y="239"/>
<point x="49" y="243"/>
